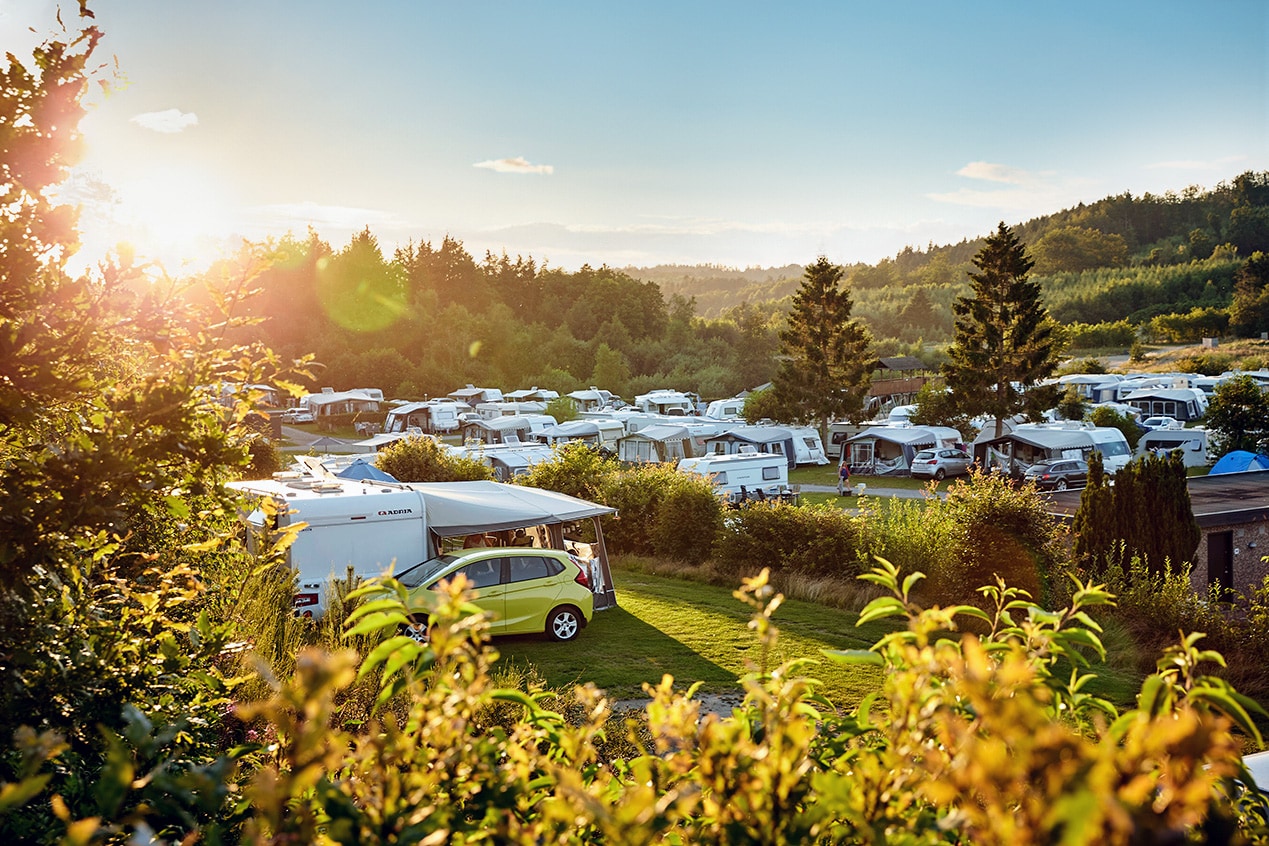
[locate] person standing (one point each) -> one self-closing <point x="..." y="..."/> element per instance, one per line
<point x="843" y="477"/>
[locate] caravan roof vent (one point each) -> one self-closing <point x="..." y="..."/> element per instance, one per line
<point x="288" y="476"/>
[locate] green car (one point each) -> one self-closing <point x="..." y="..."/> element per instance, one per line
<point x="525" y="590"/>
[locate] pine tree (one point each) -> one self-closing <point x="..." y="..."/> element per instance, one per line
<point x="1147" y="511"/>
<point x="826" y="358"/>
<point x="1004" y="341"/>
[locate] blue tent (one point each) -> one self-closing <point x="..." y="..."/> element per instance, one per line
<point x="364" y="470"/>
<point x="1238" y="461"/>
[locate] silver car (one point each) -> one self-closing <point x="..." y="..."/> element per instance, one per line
<point x="941" y="463"/>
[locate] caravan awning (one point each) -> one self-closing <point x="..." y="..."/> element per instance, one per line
<point x="1047" y="439"/>
<point x="464" y="508"/>
<point x="915" y="436"/>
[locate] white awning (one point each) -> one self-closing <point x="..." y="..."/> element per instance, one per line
<point x="464" y="508"/>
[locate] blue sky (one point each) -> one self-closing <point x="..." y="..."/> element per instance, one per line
<point x="739" y="134"/>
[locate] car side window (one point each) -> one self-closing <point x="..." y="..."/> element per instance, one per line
<point x="527" y="567"/>
<point x="486" y="573"/>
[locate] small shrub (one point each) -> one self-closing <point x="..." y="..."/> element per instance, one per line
<point x="575" y="469"/>
<point x="688" y="521"/>
<point x="419" y="459"/>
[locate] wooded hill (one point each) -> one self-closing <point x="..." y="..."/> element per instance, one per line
<point x="1123" y="258"/>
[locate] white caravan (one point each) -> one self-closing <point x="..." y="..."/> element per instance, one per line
<point x="372" y="528"/>
<point x="432" y="417"/>
<point x="808" y="446"/>
<point x="743" y="475"/>
<point x="726" y="409"/>
<point x="1191" y="442"/>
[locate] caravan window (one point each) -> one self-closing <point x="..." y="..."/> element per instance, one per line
<point x="720" y="478"/>
<point x="770" y="473"/>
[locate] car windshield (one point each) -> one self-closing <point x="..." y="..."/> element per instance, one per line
<point x="925" y="455"/>
<point x="421" y="574"/>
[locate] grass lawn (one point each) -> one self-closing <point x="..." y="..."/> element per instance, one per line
<point x="697" y="632"/>
<point x="827" y="475"/>
<point x="694" y="632"/>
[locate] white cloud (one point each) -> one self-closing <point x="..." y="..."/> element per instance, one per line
<point x="168" y="120"/>
<point x="1025" y="191"/>
<point x="519" y="164"/>
<point x="991" y="172"/>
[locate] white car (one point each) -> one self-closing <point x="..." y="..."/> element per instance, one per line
<point x="1162" y="423"/>
<point x="298" y="415"/>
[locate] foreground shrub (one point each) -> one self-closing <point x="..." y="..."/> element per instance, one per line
<point x="818" y="539"/>
<point x="422" y="459"/>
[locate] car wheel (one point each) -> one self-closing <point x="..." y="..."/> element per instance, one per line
<point x="564" y="623"/>
<point x="1061" y="485"/>
<point x="416" y="630"/>
<point x="939" y="475"/>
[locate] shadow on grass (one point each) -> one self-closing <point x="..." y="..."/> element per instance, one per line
<point x="618" y="652"/>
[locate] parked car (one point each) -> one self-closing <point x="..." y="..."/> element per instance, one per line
<point x="940" y="463"/>
<point x="525" y="589"/>
<point x="1161" y="423"/>
<point x="1058" y="474"/>
<point x="298" y="415"/>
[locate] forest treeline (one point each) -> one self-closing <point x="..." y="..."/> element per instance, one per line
<point x="429" y="318"/>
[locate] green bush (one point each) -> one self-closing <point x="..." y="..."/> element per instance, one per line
<point x="423" y="459"/>
<point x="913" y="534"/>
<point x="818" y="539"/>
<point x="688" y="521"/>
<point x="575" y="469"/>
<point x="1000" y="531"/>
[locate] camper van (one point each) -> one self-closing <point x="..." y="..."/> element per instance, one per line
<point x="743" y="475"/>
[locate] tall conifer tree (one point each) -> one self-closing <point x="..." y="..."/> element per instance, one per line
<point x="826" y="358"/>
<point x="1004" y="341"/>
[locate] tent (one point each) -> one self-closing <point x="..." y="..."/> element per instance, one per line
<point x="364" y="470"/>
<point x="466" y="508"/>
<point x="1238" y="461"/>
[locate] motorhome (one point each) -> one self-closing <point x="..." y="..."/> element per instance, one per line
<point x="372" y="528"/>
<point x="368" y="529"/>
<point x="743" y="475"/>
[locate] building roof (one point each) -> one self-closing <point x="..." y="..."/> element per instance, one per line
<point x="901" y="362"/>
<point x="1227" y="499"/>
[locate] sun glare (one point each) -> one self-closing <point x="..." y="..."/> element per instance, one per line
<point x="177" y="217"/>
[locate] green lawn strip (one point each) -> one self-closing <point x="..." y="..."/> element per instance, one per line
<point x="827" y="475"/>
<point x="695" y="632"/>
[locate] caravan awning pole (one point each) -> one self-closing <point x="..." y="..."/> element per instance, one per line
<point x="608" y="599"/>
